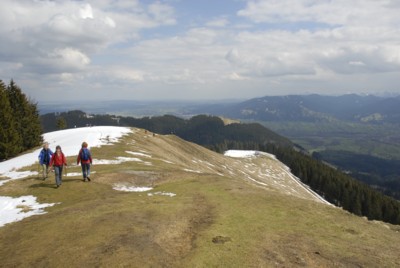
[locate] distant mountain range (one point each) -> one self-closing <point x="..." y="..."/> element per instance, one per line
<point x="305" y="108"/>
<point x="311" y="108"/>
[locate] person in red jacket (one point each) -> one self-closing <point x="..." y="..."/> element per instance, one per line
<point x="85" y="158"/>
<point x="58" y="161"/>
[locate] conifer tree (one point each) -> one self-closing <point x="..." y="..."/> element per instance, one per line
<point x="26" y="116"/>
<point x="10" y="140"/>
<point x="61" y="123"/>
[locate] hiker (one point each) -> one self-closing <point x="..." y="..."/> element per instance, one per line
<point x="85" y="158"/>
<point x="58" y="161"/>
<point x="44" y="159"/>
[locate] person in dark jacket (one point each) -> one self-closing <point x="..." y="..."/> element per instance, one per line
<point x="44" y="159"/>
<point x="58" y="161"/>
<point x="85" y="158"/>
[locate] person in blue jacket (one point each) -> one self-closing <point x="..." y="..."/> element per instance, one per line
<point x="85" y="158"/>
<point x="44" y="159"/>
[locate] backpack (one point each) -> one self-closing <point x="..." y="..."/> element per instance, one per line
<point x="85" y="154"/>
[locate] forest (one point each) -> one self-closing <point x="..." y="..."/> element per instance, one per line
<point x="20" y="129"/>
<point x="380" y="173"/>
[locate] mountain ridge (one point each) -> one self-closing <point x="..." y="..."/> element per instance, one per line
<point x="217" y="217"/>
<point x="310" y="108"/>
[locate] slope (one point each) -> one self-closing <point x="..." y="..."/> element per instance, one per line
<point x="203" y="209"/>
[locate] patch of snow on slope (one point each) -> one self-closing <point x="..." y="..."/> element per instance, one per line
<point x="138" y="154"/>
<point x="116" y="161"/>
<point x="15" y="209"/>
<point x="245" y="153"/>
<point x="75" y="174"/>
<point x="167" y="161"/>
<point x="193" y="171"/>
<point x="162" y="193"/>
<point x="279" y="177"/>
<point x="124" y="188"/>
<point x="17" y="175"/>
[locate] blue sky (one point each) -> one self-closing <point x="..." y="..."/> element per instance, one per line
<point x="199" y="50"/>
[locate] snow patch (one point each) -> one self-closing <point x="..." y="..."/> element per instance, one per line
<point x="162" y="193"/>
<point x="247" y="154"/>
<point x="13" y="209"/>
<point x="138" y="154"/>
<point x="167" y="161"/>
<point x="191" y="170"/>
<point x="116" y="161"/>
<point x="14" y="175"/>
<point x="124" y="188"/>
<point x="75" y="174"/>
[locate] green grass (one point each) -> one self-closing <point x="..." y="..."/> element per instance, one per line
<point x="96" y="226"/>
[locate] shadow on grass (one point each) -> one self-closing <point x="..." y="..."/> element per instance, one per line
<point x="70" y="180"/>
<point x="42" y="185"/>
<point x="50" y="183"/>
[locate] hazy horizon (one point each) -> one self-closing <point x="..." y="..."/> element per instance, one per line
<point x="173" y="50"/>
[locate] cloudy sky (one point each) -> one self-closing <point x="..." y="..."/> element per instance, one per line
<point x="199" y="49"/>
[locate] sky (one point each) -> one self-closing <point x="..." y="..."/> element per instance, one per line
<point x="59" y="50"/>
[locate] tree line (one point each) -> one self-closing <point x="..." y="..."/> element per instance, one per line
<point x="19" y="120"/>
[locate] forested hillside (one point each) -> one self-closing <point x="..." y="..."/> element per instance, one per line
<point x="204" y="130"/>
<point x="211" y="132"/>
<point x="352" y="132"/>
<point x="380" y="173"/>
<point x="19" y="120"/>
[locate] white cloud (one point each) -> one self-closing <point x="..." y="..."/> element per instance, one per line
<point x="162" y="13"/>
<point x="195" y="57"/>
<point x="74" y="31"/>
<point x="266" y="54"/>
<point x="126" y="73"/>
<point x="236" y="77"/>
<point x="150" y="48"/>
<point x="219" y="22"/>
<point x="341" y="36"/>
<point x="357" y="63"/>
<point x="86" y="12"/>
<point x="69" y="57"/>
<point x="332" y="12"/>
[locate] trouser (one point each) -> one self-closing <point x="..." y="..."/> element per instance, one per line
<point x="58" y="171"/>
<point x="85" y="170"/>
<point x="45" y="170"/>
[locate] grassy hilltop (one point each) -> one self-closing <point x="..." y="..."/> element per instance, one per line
<point x="226" y="212"/>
